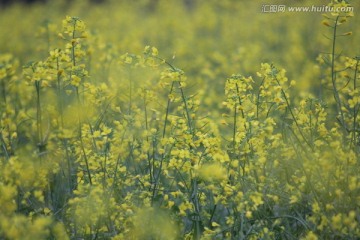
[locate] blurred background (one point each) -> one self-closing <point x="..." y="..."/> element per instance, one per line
<point x="208" y="39"/>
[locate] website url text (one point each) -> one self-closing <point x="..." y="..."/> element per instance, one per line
<point x="273" y="8"/>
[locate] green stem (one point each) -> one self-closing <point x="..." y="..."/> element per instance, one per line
<point x="3" y="90"/>
<point x="355" y="112"/>
<point x="186" y="107"/>
<point x="106" y="155"/>
<point x="258" y="99"/>
<point x="235" y="128"/>
<point x="167" y="109"/>
<point x="196" y="217"/>
<point x="38" y="112"/>
<point x="147" y="139"/>
<point x="60" y="95"/>
<point x="3" y="144"/>
<point x="293" y="116"/>
<point x="157" y="177"/>
<point x="333" y="77"/>
<point x="85" y="159"/>
<point x="73" y="44"/>
<point x="130" y="92"/>
<point x="181" y="91"/>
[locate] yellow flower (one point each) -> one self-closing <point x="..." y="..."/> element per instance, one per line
<point x="212" y="172"/>
<point x="257" y="199"/>
<point x="336" y="221"/>
<point x="326" y="23"/>
<point x="310" y="236"/>
<point x="293" y="199"/>
<point x="154" y="51"/>
<point x="248" y="214"/>
<point x="315" y="207"/>
<point x="75" y="80"/>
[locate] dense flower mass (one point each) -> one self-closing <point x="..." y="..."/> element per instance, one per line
<point x="163" y="121"/>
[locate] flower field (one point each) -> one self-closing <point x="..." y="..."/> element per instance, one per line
<point x="178" y="119"/>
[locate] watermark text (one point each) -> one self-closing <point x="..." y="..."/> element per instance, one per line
<point x="277" y="8"/>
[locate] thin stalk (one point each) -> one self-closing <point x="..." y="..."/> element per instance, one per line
<point x="38" y="113"/>
<point x="212" y="214"/>
<point x="61" y="113"/>
<point x="196" y="218"/>
<point x="47" y="36"/>
<point x="167" y="109"/>
<point x="59" y="93"/>
<point x="3" y="91"/>
<point x="186" y="107"/>
<point x="311" y="124"/>
<point x="115" y="174"/>
<point x="171" y="90"/>
<point x="6" y="151"/>
<point x="153" y="159"/>
<point x="355" y="112"/>
<point x="81" y="138"/>
<point x="240" y="103"/>
<point x="130" y="93"/>
<point x="86" y="159"/>
<point x="234" y="129"/>
<point x="293" y="116"/>
<point x="258" y="99"/>
<point x="245" y="127"/>
<point x="157" y="176"/>
<point x="73" y="58"/>
<point x="333" y="77"/>
<point x="73" y="44"/>
<point x="242" y="112"/>
<point x="147" y="139"/>
<point x="68" y="158"/>
<point x="3" y="144"/>
<point x="106" y="155"/>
